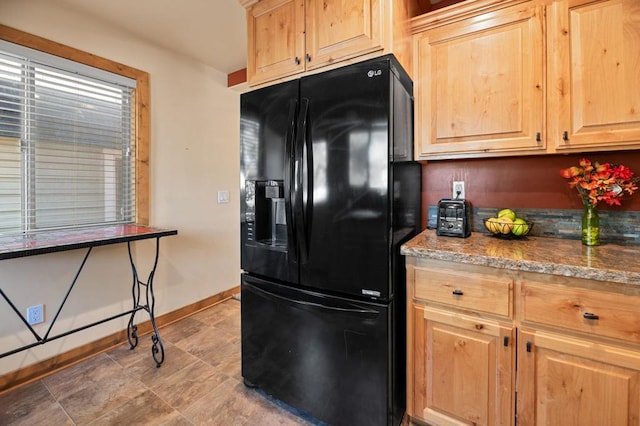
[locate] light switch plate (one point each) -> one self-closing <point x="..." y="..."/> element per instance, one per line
<point x="223" y="197"/>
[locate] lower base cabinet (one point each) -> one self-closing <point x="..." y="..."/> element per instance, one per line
<point x="572" y="361"/>
<point x="568" y="381"/>
<point x="467" y="374"/>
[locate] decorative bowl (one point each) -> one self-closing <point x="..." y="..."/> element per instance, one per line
<point x="507" y="230"/>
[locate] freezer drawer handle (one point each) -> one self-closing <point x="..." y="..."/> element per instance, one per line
<point x="318" y="305"/>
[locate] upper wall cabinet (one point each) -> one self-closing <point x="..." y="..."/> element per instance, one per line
<point x="275" y="37"/>
<point x="496" y="78"/>
<point x="594" y="74"/>
<point x="479" y="84"/>
<point x="341" y="29"/>
<point x="286" y="37"/>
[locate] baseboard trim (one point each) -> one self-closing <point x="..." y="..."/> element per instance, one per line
<point x="49" y="366"/>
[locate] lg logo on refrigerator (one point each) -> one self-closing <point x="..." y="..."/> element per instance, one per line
<point x="374" y="73"/>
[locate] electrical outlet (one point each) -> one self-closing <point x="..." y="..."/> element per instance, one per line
<point x="458" y="189"/>
<point x="35" y="314"/>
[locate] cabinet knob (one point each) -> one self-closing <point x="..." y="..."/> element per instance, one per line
<point x="590" y="316"/>
<point x="538" y="137"/>
<point x="565" y="136"/>
<point x="457" y="292"/>
<point x="297" y="60"/>
<point x="528" y="346"/>
<point x="308" y="57"/>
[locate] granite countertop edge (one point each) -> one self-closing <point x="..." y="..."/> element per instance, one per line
<point x="539" y="254"/>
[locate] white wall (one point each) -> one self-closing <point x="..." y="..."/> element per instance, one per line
<point x="194" y="153"/>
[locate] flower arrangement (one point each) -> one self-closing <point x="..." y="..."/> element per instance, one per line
<point x="597" y="182"/>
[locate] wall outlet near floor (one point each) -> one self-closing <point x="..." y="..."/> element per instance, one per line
<point x="35" y="314"/>
<point x="223" y="197"/>
<point x="458" y="189"/>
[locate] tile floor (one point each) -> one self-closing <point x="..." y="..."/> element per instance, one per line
<point x="198" y="384"/>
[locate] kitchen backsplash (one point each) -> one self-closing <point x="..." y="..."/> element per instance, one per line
<point x="615" y="226"/>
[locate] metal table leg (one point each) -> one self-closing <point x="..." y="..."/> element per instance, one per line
<point x="157" y="349"/>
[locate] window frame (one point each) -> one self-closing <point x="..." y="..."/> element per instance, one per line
<point x="142" y="127"/>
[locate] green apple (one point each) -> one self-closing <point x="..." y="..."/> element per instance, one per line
<point x="520" y="227"/>
<point x="508" y="213"/>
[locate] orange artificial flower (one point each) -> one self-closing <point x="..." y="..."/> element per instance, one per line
<point x="597" y="182"/>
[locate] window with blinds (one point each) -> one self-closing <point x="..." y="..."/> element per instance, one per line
<point x="67" y="135"/>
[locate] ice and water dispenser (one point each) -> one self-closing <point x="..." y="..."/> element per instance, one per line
<point x="265" y="212"/>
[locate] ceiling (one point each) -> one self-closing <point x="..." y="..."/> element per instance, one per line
<point x="209" y="31"/>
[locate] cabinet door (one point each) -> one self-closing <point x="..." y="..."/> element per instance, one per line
<point x="463" y="369"/>
<point x="340" y="29"/>
<point x="567" y="381"/>
<point x="479" y="85"/>
<point x="275" y="39"/>
<point x="594" y="69"/>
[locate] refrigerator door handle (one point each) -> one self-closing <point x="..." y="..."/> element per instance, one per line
<point x="289" y="177"/>
<point x="301" y="208"/>
<point x="352" y="309"/>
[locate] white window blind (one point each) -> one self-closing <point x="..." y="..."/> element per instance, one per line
<point x="66" y="143"/>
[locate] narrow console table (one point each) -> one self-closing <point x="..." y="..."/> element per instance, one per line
<point x="56" y="241"/>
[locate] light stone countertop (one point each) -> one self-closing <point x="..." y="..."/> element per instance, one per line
<point x="607" y="262"/>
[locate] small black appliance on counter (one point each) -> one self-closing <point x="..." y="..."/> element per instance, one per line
<point x="453" y="218"/>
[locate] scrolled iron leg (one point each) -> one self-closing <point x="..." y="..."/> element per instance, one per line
<point x="132" y="333"/>
<point x="157" y="350"/>
<point x="132" y="329"/>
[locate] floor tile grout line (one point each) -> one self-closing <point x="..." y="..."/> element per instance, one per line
<point x="64" y="410"/>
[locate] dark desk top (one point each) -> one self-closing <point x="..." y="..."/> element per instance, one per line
<point x="71" y="239"/>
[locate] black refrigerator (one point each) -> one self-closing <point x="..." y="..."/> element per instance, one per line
<point x="329" y="192"/>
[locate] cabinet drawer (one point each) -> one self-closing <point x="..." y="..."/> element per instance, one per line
<point x="465" y="289"/>
<point x="602" y="313"/>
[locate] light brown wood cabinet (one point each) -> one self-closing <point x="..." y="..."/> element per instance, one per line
<point x="288" y="37"/>
<point x="479" y="85"/>
<point x="527" y="77"/>
<point x="594" y="69"/>
<point x="578" y="353"/>
<point x="460" y="343"/>
<point x="276" y="39"/>
<point x="564" y="380"/>
<point x="467" y="368"/>
<point x="577" y="360"/>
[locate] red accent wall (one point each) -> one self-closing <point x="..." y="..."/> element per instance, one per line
<point x="532" y="182"/>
